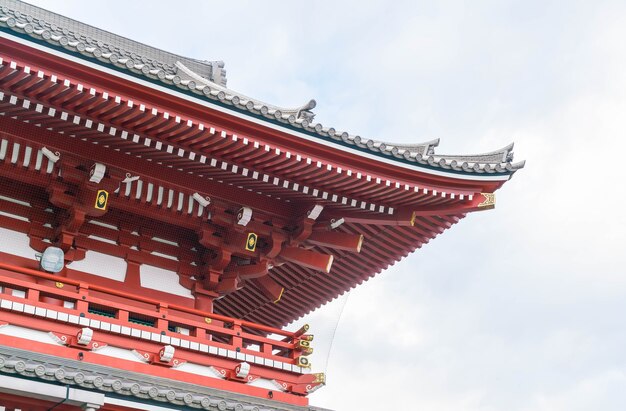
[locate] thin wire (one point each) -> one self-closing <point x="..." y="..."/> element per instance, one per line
<point x="332" y="337"/>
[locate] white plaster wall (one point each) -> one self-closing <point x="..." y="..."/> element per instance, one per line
<point x="198" y="370"/>
<point x="16" y="243"/>
<point x="264" y="383"/>
<point x="27" y="333"/>
<point x="117" y="352"/>
<point x="102" y="265"/>
<point x="160" y="279"/>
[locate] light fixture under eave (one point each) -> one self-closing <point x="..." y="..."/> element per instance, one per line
<point x="52" y="260"/>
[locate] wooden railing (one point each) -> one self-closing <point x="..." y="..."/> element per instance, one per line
<point x="97" y="302"/>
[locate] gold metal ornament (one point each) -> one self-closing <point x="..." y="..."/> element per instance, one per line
<point x="304" y="362"/>
<point x="102" y="197"/>
<point x="251" y="242"/>
<point x="489" y="200"/>
<point x="320" y="378"/>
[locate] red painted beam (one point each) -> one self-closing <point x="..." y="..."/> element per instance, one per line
<point x="307" y="258"/>
<point x="404" y="217"/>
<point x="337" y="240"/>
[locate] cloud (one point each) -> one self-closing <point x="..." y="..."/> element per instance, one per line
<point x="519" y="308"/>
<point x="601" y="391"/>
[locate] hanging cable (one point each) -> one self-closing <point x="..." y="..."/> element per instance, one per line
<point x="332" y="336"/>
<point x="67" y="397"/>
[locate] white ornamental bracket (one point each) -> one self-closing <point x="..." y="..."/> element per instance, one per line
<point x="314" y="212"/>
<point x="336" y="223"/>
<point x="244" y="216"/>
<point x="53" y="156"/>
<point x="167" y="353"/>
<point x="84" y="336"/>
<point x="203" y="201"/>
<point x="96" y="174"/>
<point x="242" y="370"/>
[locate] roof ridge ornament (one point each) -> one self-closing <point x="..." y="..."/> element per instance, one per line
<point x="503" y="155"/>
<point x="303" y="112"/>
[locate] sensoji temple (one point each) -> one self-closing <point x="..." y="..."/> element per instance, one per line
<point x="159" y="232"/>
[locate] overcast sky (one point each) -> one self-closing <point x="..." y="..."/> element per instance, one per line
<point x="518" y="308"/>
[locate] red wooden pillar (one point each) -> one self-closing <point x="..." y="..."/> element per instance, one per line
<point x="133" y="276"/>
<point x="58" y="284"/>
<point x="203" y="298"/>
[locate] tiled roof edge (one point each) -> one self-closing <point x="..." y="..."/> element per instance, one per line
<point x="181" y="76"/>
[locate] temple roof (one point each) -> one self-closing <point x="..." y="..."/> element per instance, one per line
<point x="206" y="80"/>
<point x="92" y="94"/>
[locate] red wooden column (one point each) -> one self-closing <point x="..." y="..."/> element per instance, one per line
<point x="203" y="298"/>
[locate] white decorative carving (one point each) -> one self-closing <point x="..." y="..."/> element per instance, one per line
<point x="312" y="388"/>
<point x="336" y="223"/>
<point x="59" y="340"/>
<point x="50" y="155"/>
<point x="315" y="212"/>
<point x="143" y="357"/>
<point x="218" y="373"/>
<point x="84" y="336"/>
<point x="130" y="178"/>
<point x="96" y="174"/>
<point x="167" y="353"/>
<point x="203" y="201"/>
<point x="279" y="385"/>
<point x="242" y="370"/>
<point x="244" y="216"/>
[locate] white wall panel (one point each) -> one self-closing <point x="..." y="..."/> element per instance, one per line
<point x="102" y="265"/>
<point x="162" y="280"/>
<point x="16" y="243"/>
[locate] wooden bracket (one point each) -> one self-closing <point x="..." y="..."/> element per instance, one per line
<point x="308" y="383"/>
<point x="154" y="359"/>
<point x="72" y="342"/>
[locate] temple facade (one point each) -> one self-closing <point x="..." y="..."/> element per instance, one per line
<point x="160" y="233"/>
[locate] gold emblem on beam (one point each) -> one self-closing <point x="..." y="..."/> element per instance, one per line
<point x="489" y="200"/>
<point x="304" y="344"/>
<point x="320" y="378"/>
<point x="251" y="242"/>
<point x="304" y="362"/>
<point x="102" y="197"/>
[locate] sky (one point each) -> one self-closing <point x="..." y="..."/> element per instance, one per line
<point x="518" y="308"/>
